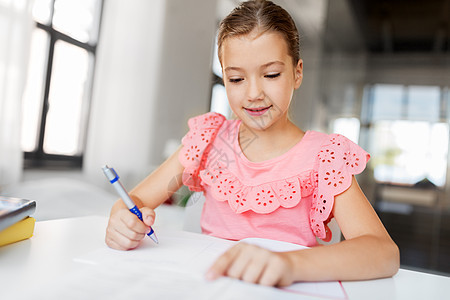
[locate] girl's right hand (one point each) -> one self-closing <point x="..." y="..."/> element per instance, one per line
<point x="125" y="231"/>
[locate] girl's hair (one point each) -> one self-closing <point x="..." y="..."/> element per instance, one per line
<point x="263" y="16"/>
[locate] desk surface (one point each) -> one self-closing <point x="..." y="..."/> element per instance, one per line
<point x="49" y="255"/>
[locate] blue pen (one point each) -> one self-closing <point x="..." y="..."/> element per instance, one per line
<point x="113" y="178"/>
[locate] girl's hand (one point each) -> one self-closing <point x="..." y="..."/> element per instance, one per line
<point x="254" y="264"/>
<point x="125" y="230"/>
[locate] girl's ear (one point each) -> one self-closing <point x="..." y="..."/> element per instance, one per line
<point x="298" y="74"/>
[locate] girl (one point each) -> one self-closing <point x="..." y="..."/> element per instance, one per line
<point x="262" y="176"/>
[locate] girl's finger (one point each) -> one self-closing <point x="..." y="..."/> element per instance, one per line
<point x="238" y="266"/>
<point x="117" y="240"/>
<point x="131" y="222"/>
<point x="221" y="265"/>
<point x="254" y="270"/>
<point x="148" y="216"/>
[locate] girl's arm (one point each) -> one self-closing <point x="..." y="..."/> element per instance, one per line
<point x="125" y="230"/>
<point x="367" y="252"/>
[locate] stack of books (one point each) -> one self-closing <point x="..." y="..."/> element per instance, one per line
<point x="16" y="223"/>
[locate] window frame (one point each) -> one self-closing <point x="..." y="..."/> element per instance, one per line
<point x="368" y="122"/>
<point x="39" y="158"/>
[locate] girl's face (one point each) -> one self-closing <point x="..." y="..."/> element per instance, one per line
<point x="260" y="78"/>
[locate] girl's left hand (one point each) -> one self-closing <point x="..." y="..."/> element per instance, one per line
<point x="253" y="264"/>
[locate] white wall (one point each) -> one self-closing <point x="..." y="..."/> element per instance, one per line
<point x="184" y="86"/>
<point x="152" y="73"/>
<point x="306" y="101"/>
<point x="334" y="63"/>
<point x="310" y="18"/>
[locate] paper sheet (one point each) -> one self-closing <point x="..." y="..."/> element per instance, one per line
<point x="176" y="249"/>
<point x="174" y="269"/>
<point x="130" y="280"/>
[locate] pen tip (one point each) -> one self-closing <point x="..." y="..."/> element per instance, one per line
<point x="154" y="238"/>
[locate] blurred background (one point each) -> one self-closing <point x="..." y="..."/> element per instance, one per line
<point x="85" y="83"/>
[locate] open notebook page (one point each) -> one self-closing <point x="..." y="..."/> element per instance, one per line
<point x="174" y="269"/>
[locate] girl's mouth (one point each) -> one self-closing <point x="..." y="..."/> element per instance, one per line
<point x="255" y="112"/>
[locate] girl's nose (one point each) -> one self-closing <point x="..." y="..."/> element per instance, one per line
<point x="254" y="90"/>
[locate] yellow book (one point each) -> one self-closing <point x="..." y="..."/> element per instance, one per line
<point x="13" y="210"/>
<point x="18" y="231"/>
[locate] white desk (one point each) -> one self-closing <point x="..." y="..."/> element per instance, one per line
<point x="49" y="254"/>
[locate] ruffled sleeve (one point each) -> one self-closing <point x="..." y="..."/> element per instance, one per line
<point x="337" y="161"/>
<point x="196" y="145"/>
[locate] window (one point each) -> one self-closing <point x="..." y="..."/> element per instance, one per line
<point x="348" y="127"/>
<point x="219" y="100"/>
<point x="408" y="133"/>
<point x="57" y="95"/>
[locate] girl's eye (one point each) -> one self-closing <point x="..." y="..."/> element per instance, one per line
<point x="272" y="75"/>
<point x="235" y="80"/>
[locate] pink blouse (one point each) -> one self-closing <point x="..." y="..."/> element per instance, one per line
<point x="287" y="198"/>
